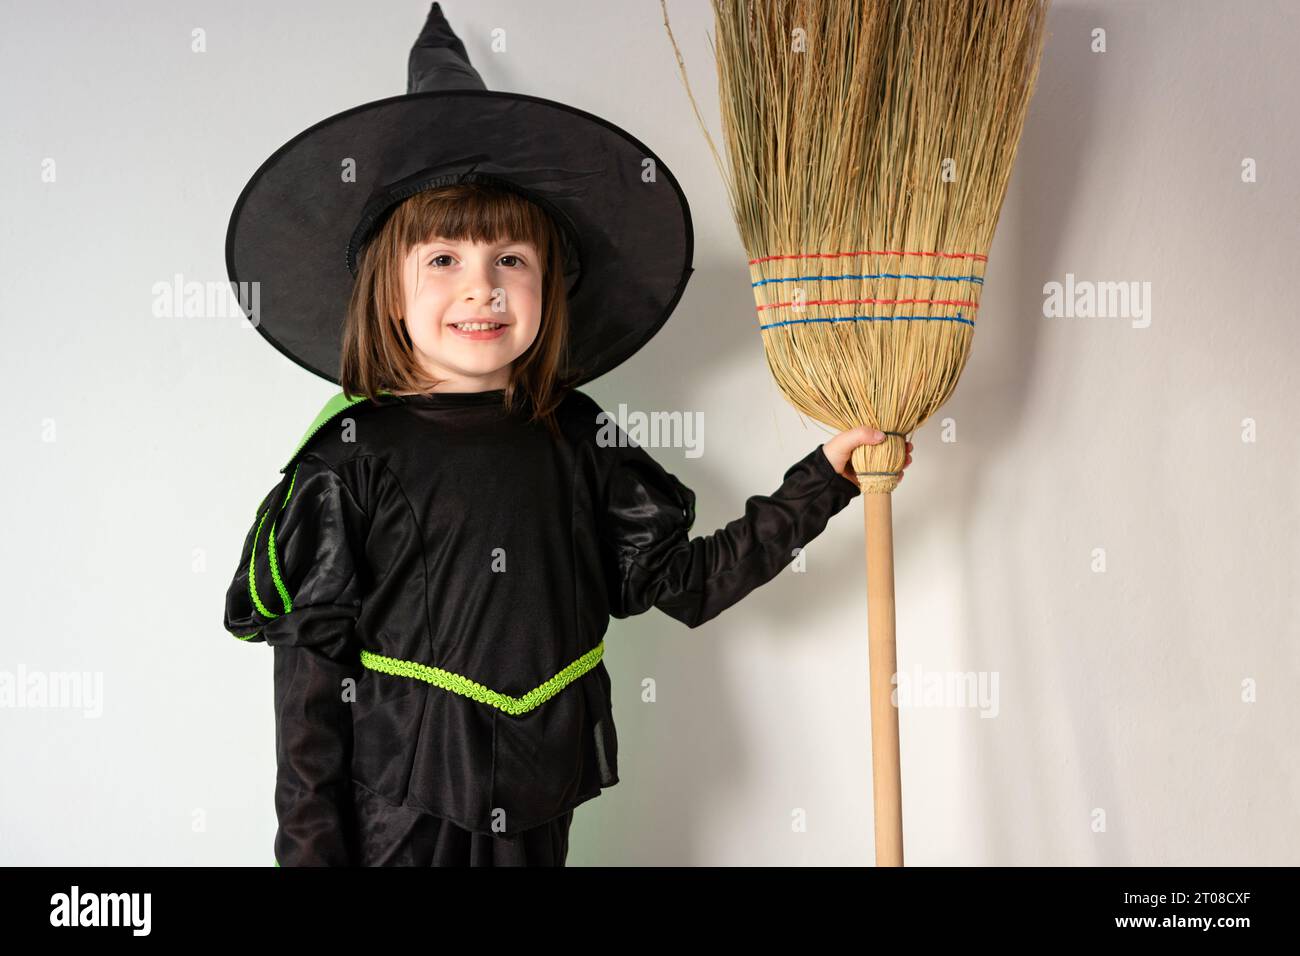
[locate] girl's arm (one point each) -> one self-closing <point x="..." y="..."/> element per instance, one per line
<point x="298" y="589"/>
<point x="655" y="563"/>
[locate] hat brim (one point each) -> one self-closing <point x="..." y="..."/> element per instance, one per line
<point x="293" y="222"/>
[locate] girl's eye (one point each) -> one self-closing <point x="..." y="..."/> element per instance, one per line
<point x="509" y="255"/>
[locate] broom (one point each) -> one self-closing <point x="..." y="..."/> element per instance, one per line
<point x="870" y="144"/>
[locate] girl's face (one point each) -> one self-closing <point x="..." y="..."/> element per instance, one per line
<point x="448" y="283"/>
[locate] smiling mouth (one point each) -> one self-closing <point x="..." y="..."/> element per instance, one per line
<point x="478" y="326"/>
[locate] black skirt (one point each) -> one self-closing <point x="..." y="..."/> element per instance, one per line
<point x="390" y="835"/>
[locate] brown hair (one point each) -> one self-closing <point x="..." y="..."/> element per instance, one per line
<point x="377" y="350"/>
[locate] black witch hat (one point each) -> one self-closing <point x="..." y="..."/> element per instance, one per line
<point x="299" y="225"/>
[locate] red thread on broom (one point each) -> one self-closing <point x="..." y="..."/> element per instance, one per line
<point x="780" y="305"/>
<point x="876" y="252"/>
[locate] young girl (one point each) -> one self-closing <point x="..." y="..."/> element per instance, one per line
<point x="437" y="569"/>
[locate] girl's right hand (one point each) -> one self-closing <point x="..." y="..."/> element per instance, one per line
<point x="839" y="449"/>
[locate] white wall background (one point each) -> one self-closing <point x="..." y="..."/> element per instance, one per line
<point x="1119" y="691"/>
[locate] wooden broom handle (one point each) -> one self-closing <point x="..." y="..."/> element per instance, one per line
<point x="887" y="782"/>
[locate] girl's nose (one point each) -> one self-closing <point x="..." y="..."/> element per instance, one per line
<point x="477" y="280"/>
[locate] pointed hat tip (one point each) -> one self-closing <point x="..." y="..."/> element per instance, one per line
<point x="436" y="30"/>
<point x="438" y="59"/>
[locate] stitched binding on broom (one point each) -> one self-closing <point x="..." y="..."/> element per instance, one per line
<point x="878" y="275"/>
<point x="458" y="684"/>
<point x="782" y="305"/>
<point x="978" y="257"/>
<point x="864" y="474"/>
<point x="875" y="318"/>
<point x="978" y="280"/>
<point x="872" y="318"/>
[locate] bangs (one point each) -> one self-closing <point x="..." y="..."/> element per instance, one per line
<point x="474" y="212"/>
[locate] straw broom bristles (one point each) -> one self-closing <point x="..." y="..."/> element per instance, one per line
<point x="867" y="173"/>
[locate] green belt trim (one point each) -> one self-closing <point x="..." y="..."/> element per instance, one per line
<point x="485" y="695"/>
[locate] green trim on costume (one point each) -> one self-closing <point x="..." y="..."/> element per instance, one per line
<point x="331" y="408"/>
<point x="289" y="493"/>
<point x="245" y="637"/>
<point x="270" y="549"/>
<point x="334" y="407"/>
<point x="252" y="571"/>
<point x="485" y="695"/>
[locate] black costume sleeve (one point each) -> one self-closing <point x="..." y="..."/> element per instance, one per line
<point x="298" y="588"/>
<point x="648" y="518"/>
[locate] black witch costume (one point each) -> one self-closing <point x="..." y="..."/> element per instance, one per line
<point x="437" y="575"/>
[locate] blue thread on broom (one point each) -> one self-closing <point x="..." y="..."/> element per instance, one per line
<point x="882" y="275"/>
<point x="866" y="474"/>
<point x="876" y="318"/>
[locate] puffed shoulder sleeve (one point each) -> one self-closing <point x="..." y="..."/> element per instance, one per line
<point x="299" y="588"/>
<point x="654" y="562"/>
<point x="299" y="575"/>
